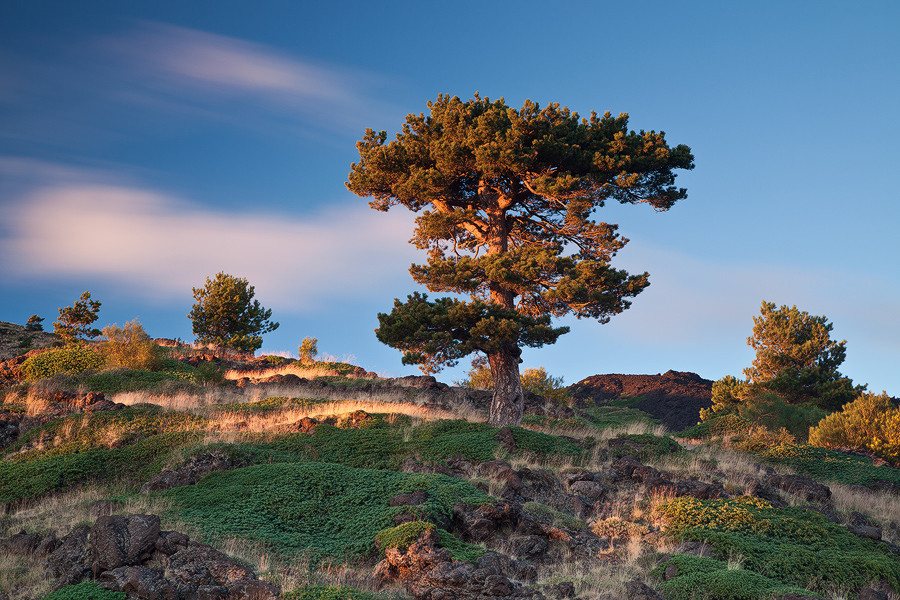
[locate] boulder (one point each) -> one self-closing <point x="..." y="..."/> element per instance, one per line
<point x="70" y="562"/>
<point x="119" y="541"/>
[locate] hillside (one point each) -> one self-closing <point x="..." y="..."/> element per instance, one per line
<point x="222" y="476"/>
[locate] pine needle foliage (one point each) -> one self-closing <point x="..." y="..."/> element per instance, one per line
<point x="506" y="199"/>
<point x="225" y="314"/>
<point x="74" y="322"/>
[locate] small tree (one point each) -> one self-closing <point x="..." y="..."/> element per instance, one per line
<point x="225" y="314"/>
<point x="308" y="350"/>
<point x="506" y="198"/>
<point x="74" y="322"/>
<point x="34" y="323"/>
<point x="797" y="359"/>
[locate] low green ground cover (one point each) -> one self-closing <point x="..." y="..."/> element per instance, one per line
<point x="553" y="516"/>
<point x="320" y="508"/>
<point x="25" y="480"/>
<point x="829" y="465"/>
<point x="791" y="545"/>
<point x="330" y="592"/>
<point x="85" y="591"/>
<point x="699" y="578"/>
<point x="646" y="446"/>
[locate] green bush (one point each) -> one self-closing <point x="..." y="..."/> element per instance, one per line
<point x="85" y="591"/>
<point x="71" y="360"/>
<point x="134" y="464"/>
<point x="718" y="425"/>
<point x="871" y="423"/>
<point x="401" y="536"/>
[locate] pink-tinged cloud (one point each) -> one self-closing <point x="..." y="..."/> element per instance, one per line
<point x="187" y="57"/>
<point x="161" y="246"/>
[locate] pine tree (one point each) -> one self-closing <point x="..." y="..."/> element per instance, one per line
<point x="506" y="199"/>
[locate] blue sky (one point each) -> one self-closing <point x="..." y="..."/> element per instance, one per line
<point x="147" y="145"/>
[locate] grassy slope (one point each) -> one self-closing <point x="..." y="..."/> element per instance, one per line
<point x="326" y="494"/>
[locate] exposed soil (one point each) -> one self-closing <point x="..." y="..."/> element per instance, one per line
<point x="674" y="397"/>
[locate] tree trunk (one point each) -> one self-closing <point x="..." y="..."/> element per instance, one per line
<point x="508" y="403"/>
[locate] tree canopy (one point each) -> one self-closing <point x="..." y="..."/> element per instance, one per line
<point x="797" y="359"/>
<point x="225" y="314"/>
<point x="74" y="322"/>
<point x="506" y="200"/>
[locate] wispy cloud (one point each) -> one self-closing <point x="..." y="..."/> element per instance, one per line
<point x="185" y="61"/>
<point x="156" y="245"/>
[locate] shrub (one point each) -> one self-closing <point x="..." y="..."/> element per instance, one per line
<point x="308" y="350"/>
<point x="871" y="423"/>
<point x="71" y="360"/>
<point x="209" y="373"/>
<point x="130" y="347"/>
<point x="401" y="536"/>
<point x="537" y="381"/>
<point x="324" y="509"/>
<point x="698" y="577"/>
<point x="330" y="592"/>
<point x="727" y="393"/>
<point x="75" y="321"/>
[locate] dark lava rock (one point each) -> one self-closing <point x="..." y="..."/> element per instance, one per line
<point x="673" y="397"/>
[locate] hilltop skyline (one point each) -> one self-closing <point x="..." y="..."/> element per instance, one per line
<point x="144" y="148"/>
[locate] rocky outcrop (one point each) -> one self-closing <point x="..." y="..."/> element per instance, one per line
<point x="188" y="474"/>
<point x="130" y="554"/>
<point x="429" y="572"/>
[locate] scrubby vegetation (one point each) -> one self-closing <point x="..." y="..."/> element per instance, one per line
<point x="310" y="509"/>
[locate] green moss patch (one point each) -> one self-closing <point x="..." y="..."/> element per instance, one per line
<point x="324" y="509"/>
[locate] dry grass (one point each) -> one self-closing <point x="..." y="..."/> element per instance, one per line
<point x="22" y="577"/>
<point x="294" y="368"/>
<point x="883" y="508"/>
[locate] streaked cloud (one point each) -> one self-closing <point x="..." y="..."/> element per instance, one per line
<point x="182" y="61"/>
<point x="158" y="245"/>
